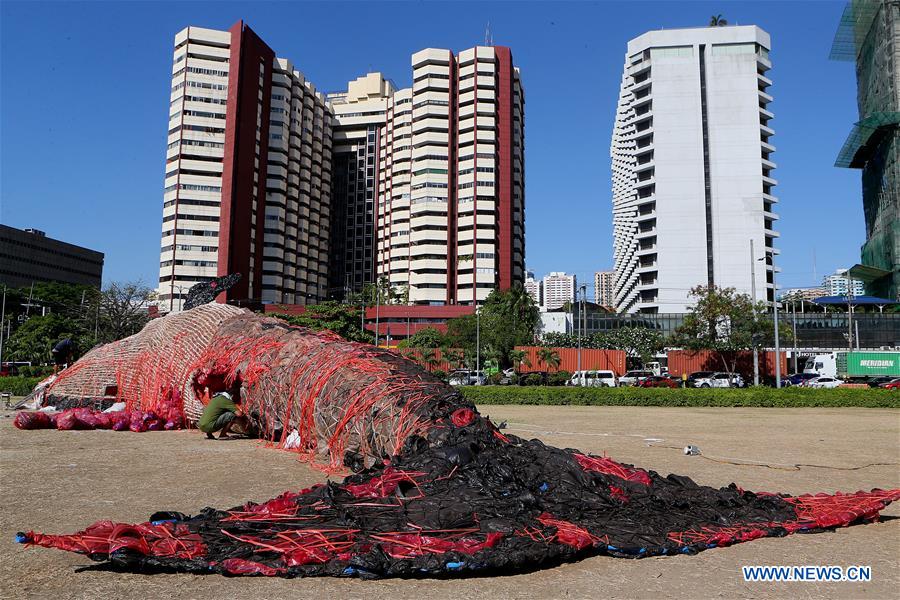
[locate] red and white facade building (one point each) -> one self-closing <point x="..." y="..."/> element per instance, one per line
<point x="451" y="194"/>
<point x="249" y="179"/>
<point x="248" y="172"/>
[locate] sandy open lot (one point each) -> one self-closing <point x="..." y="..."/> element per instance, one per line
<point x="59" y="482"/>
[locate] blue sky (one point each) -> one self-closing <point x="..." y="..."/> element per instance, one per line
<point x="84" y="91"/>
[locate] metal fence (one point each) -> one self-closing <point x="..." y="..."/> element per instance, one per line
<point x="814" y="330"/>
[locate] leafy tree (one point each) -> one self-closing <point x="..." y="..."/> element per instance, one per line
<point x="50" y="312"/>
<point x="549" y="358"/>
<point x="509" y="318"/>
<point x="723" y="321"/>
<point x="428" y="337"/>
<point x="381" y="292"/>
<point x="717" y="21"/>
<point x="637" y="341"/>
<point x="34" y="338"/>
<point x="461" y="334"/>
<point x="123" y="310"/>
<point x="342" y="319"/>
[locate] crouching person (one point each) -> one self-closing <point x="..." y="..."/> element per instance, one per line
<point x="222" y="412"/>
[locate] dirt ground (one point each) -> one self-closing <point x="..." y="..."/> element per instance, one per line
<point x="59" y="482"/>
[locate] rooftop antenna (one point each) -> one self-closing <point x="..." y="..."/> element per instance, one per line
<point x="815" y="277"/>
<point x="488" y="36"/>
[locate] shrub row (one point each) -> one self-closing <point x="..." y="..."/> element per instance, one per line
<point x="19" y="386"/>
<point x="628" y="396"/>
<point x="36" y="371"/>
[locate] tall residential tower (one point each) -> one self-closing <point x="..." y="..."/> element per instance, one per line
<point x="451" y="187"/>
<point x="692" y="169"/>
<point x="248" y="172"/>
<point x="312" y="197"/>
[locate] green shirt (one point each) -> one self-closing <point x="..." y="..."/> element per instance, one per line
<point x="218" y="405"/>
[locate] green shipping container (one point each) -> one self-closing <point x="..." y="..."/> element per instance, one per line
<point x="868" y="364"/>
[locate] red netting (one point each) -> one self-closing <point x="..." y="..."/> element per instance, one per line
<point x="348" y="403"/>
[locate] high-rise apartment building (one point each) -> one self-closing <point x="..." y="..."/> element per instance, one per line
<point x="559" y="289"/>
<point x="603" y="288"/>
<point x="838" y="284"/>
<point x="807" y="294"/>
<point x="451" y="187"/>
<point x="869" y="35"/>
<point x="359" y="121"/>
<point x="312" y="197"/>
<point x="248" y="172"/>
<point x="692" y="168"/>
<point x="533" y="288"/>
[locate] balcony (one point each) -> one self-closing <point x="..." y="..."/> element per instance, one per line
<point x="636" y="87"/>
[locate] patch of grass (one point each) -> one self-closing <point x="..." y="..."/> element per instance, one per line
<point x="19" y="386"/>
<point x="631" y="396"/>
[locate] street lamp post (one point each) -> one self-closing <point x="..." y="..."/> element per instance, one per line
<point x="575" y="312"/>
<point x="180" y="297"/>
<point x="377" y="308"/>
<point x="2" y="321"/>
<point x="477" y="345"/>
<point x="770" y="260"/>
<point x="753" y="293"/>
<point x="582" y="318"/>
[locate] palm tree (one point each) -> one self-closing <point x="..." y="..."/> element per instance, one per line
<point x="454" y="358"/>
<point x="519" y="358"/>
<point x="430" y="359"/>
<point x="549" y="357"/>
<point x="717" y="21"/>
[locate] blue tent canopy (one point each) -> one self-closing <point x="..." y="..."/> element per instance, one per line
<point x="856" y="300"/>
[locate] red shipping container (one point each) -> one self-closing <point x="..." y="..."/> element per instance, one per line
<point x="591" y="360"/>
<point x="687" y="362"/>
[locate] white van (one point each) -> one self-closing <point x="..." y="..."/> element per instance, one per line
<point x="593" y="379"/>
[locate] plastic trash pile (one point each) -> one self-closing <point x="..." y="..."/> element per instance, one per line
<point x="465" y="499"/>
<point x="438" y="490"/>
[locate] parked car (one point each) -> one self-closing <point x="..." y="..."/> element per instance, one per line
<point x="720" y="380"/>
<point x="798" y="379"/>
<point x="634" y="377"/>
<point x="657" y="381"/>
<point x="693" y="377"/>
<point x="593" y="379"/>
<point x="466" y="377"/>
<point x="508" y="376"/>
<point x="892" y="385"/>
<point x="824" y="382"/>
<point x="877" y="382"/>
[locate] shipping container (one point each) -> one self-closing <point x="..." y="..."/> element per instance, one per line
<point x="591" y="360"/>
<point x="855" y="365"/>
<point x="685" y="362"/>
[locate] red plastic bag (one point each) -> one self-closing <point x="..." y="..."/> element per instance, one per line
<point x="120" y="420"/>
<point x="32" y="420"/>
<point x="68" y="420"/>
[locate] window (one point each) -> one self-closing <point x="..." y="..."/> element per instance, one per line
<point x="731" y="49"/>
<point x="672" y="52"/>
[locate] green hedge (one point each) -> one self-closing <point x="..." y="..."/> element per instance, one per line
<point x="19" y="386"/>
<point x="629" y="396"/>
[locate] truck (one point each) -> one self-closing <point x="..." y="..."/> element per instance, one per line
<point x="858" y="366"/>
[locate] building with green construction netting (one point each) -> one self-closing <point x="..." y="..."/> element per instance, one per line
<point x="869" y="34"/>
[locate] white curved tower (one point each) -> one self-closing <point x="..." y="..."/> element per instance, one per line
<point x="691" y="171"/>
